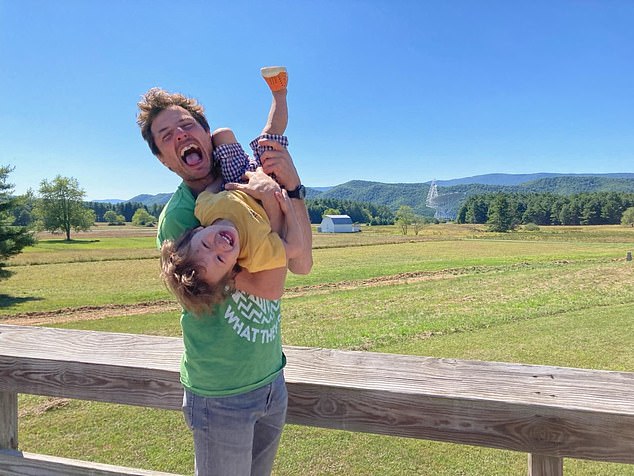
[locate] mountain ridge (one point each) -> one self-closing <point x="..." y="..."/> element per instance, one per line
<point x="451" y="193"/>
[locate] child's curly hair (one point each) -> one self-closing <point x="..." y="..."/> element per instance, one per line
<point x="182" y="276"/>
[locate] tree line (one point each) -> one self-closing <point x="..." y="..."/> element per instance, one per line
<point x="359" y="212"/>
<point x="504" y="211"/>
<point x="123" y="209"/>
<point x="59" y="206"/>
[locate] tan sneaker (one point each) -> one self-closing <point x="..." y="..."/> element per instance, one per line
<point x="275" y="76"/>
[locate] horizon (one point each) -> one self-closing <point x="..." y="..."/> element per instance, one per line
<point x="328" y="187"/>
<point x="382" y="91"/>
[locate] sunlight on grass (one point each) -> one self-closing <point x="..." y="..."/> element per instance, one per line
<point x="559" y="296"/>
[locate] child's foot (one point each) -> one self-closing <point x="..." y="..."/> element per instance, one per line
<point x="276" y="77"/>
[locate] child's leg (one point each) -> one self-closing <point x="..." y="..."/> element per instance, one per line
<point x="233" y="160"/>
<point x="277" y="79"/>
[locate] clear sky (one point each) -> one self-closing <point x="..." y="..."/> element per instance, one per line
<point x="380" y="90"/>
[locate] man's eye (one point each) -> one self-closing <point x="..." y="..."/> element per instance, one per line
<point x="188" y="125"/>
<point x="220" y="259"/>
<point x="167" y="137"/>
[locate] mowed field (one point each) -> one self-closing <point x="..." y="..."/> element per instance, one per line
<point x="558" y="296"/>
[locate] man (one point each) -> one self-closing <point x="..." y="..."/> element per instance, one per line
<point x="232" y="367"/>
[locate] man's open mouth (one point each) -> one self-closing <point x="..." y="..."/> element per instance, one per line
<point x="192" y="155"/>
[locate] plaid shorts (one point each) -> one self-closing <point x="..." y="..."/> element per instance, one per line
<point x="234" y="161"/>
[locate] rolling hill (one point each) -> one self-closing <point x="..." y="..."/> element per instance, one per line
<point x="451" y="193"/>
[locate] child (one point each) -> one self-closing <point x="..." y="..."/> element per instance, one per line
<point x="237" y="231"/>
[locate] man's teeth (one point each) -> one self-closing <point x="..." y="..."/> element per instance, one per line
<point x="191" y="155"/>
<point x="188" y="148"/>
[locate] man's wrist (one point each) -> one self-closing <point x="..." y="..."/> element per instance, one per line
<point x="298" y="192"/>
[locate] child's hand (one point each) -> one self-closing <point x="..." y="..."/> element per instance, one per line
<point x="285" y="202"/>
<point x="259" y="185"/>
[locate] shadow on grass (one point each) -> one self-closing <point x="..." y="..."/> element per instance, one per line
<point x="6" y="300"/>
<point x="71" y="242"/>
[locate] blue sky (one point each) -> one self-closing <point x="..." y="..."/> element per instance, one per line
<point x="388" y="91"/>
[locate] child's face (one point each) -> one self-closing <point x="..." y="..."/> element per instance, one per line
<point x="216" y="248"/>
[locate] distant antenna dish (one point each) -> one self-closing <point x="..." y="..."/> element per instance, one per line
<point x="443" y="205"/>
<point x="432" y="195"/>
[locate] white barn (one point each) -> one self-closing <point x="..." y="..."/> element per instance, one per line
<point x="337" y="224"/>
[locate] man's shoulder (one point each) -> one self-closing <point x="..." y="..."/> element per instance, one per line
<point x="177" y="215"/>
<point x="182" y="197"/>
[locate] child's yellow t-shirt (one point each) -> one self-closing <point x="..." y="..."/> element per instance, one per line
<point x="260" y="247"/>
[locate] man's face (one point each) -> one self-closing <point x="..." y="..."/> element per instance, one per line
<point x="184" y="145"/>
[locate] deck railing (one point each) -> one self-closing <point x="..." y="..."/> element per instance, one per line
<point x="550" y="413"/>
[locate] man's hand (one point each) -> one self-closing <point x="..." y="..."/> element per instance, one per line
<point x="279" y="162"/>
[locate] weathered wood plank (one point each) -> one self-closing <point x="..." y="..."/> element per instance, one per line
<point x="540" y="465"/>
<point x="14" y="463"/>
<point x="551" y="411"/>
<point x="8" y="420"/>
<point x="106" y="367"/>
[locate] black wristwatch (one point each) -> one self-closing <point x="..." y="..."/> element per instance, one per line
<point x="299" y="192"/>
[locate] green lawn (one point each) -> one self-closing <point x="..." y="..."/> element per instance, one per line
<point x="556" y="297"/>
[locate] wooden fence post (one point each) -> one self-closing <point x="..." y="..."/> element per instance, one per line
<point x="540" y="465"/>
<point x="8" y="421"/>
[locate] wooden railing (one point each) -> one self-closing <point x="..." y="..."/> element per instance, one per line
<point x="548" y="412"/>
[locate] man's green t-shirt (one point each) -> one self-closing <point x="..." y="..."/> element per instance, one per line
<point x="237" y="346"/>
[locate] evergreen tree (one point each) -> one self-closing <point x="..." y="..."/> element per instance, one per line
<point x="12" y="237"/>
<point x="501" y="214"/>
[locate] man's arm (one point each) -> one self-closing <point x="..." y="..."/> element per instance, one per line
<point x="278" y="161"/>
<point x="292" y="234"/>
<point x="267" y="284"/>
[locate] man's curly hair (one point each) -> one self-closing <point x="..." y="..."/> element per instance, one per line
<point x="155" y="101"/>
<point x="183" y="277"/>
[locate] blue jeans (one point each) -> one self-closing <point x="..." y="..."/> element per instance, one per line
<point x="237" y="435"/>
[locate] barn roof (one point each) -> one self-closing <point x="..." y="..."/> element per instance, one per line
<point x="340" y="219"/>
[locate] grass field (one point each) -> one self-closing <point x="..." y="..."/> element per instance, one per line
<point x="558" y="296"/>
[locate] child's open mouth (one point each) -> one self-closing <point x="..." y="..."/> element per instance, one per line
<point x="227" y="237"/>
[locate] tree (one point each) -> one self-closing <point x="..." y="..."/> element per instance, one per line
<point x="331" y="211"/>
<point x="628" y="217"/>
<point x="142" y="218"/>
<point x="12" y="238"/>
<point x="501" y="214"/>
<point x="112" y="218"/>
<point x="23" y="209"/>
<point x="404" y="217"/>
<point x="417" y="223"/>
<point x="61" y="206"/>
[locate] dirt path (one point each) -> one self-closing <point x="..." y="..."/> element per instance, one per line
<point x="113" y="310"/>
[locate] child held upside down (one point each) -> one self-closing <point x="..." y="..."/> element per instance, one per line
<point x="259" y="234"/>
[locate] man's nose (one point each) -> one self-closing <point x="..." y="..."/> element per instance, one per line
<point x="180" y="133"/>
